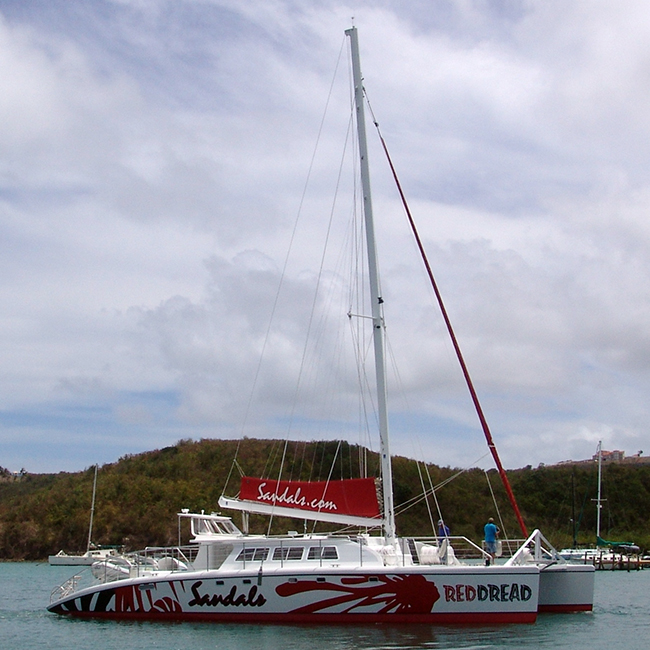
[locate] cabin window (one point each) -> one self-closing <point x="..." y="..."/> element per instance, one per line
<point x="323" y="553"/>
<point x="253" y="555"/>
<point x="230" y="527"/>
<point x="288" y="553"/>
<point x="212" y="527"/>
<point x="205" y="527"/>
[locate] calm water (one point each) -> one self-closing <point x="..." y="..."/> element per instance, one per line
<point x="621" y="619"/>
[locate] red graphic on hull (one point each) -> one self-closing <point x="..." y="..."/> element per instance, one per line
<point x="412" y="594"/>
<point x="167" y="605"/>
<point x="129" y="599"/>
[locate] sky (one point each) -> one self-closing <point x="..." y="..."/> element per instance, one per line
<point x="154" y="156"/>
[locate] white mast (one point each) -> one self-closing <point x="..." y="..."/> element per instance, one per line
<point x="599" y="500"/>
<point x="92" y="512"/>
<point x="376" y="300"/>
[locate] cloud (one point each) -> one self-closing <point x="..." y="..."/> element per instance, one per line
<point x="154" y="158"/>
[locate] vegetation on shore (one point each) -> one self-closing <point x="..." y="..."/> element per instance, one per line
<point x="138" y="496"/>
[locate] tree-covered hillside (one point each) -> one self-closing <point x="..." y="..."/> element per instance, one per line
<point x="139" y="496"/>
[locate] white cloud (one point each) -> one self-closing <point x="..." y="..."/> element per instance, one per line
<point x="153" y="159"/>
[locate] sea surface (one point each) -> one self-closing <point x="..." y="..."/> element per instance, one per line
<point x="621" y="619"/>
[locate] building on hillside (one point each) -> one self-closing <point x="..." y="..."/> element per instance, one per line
<point x="616" y="456"/>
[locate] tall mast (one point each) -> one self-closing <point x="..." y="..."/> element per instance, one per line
<point x="92" y="512"/>
<point x="375" y="297"/>
<point x="573" y="505"/>
<point x="599" y="504"/>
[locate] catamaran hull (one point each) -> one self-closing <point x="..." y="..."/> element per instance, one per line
<point x="566" y="588"/>
<point x="445" y="596"/>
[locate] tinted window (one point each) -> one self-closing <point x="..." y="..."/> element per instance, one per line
<point x="323" y="553"/>
<point x="288" y="553"/>
<point x="253" y="554"/>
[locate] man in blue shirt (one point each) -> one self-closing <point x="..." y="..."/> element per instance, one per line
<point x="491" y="533"/>
<point x="443" y="529"/>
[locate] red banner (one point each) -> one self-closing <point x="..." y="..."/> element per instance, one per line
<point x="355" y="496"/>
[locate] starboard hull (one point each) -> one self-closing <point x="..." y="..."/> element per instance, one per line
<point x="566" y="588"/>
<point x="444" y="596"/>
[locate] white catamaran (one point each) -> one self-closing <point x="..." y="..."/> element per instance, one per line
<point x="228" y="575"/>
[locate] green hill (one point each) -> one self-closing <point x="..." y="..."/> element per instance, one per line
<point x="138" y="496"/>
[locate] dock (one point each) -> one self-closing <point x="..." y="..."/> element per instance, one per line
<point x="620" y="562"/>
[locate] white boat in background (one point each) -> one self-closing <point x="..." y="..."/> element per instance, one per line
<point x="605" y="552"/>
<point x="582" y="555"/>
<point x="85" y="559"/>
<point x="93" y="553"/>
<point x="369" y="576"/>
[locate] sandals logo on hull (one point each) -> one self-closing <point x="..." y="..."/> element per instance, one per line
<point x="231" y="599"/>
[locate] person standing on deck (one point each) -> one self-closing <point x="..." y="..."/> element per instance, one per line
<point x="491" y="532"/>
<point x="443" y="529"/>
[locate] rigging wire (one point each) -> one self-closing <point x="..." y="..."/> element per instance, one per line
<point x="329" y="478"/>
<point x="358" y="292"/>
<point x="234" y="465"/>
<point x="409" y="503"/>
<point x="459" y="355"/>
<point x="287" y="256"/>
<point x="302" y="458"/>
<point x="363" y="380"/>
<point x="316" y="295"/>
<point x="313" y="462"/>
<point x="270" y="459"/>
<point x="426" y="501"/>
